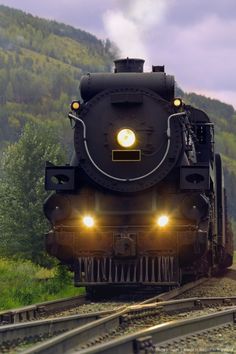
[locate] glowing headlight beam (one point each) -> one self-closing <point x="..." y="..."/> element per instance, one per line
<point x="177" y="102"/>
<point x="75" y="105"/>
<point x="126" y="137"/>
<point x="88" y="221"/>
<point x="163" y="220"/>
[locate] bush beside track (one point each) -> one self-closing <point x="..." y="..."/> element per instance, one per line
<point x="23" y="283"/>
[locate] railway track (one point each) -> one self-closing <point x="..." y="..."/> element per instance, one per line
<point x="45" y="309"/>
<point x="32" y="312"/>
<point x="148" y="340"/>
<point x="84" y="331"/>
<point x="109" y="334"/>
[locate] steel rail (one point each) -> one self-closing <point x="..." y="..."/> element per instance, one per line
<point x="10" y="333"/>
<point x="32" y="312"/>
<point x="28" y="313"/>
<point x="52" y="327"/>
<point x="100" y="328"/>
<point x="175" y="292"/>
<point x="47" y="327"/>
<point x="146" y="340"/>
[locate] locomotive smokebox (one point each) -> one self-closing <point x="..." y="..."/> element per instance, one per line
<point x="129" y="65"/>
<point x="129" y="74"/>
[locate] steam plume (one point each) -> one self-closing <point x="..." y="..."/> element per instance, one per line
<point x="128" y="26"/>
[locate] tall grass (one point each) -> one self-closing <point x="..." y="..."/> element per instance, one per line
<point x="23" y="283"/>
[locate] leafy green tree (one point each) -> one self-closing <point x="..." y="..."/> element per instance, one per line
<point x="22" y="223"/>
<point x="9" y="92"/>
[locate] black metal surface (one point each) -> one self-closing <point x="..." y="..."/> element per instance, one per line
<point x="157" y="82"/>
<point x="129" y="65"/>
<point x="176" y="173"/>
<point x="157" y="153"/>
<point x="195" y="178"/>
<point x="60" y="178"/>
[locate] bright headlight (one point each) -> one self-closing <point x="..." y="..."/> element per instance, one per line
<point x="177" y="102"/>
<point x="163" y="220"/>
<point x="88" y="221"/>
<point x="126" y="137"/>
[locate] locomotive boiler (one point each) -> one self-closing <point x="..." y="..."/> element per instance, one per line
<point x="143" y="200"/>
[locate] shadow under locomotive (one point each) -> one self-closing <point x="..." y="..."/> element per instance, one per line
<point x="143" y="201"/>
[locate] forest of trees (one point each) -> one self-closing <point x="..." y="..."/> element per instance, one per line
<point x="22" y="223"/>
<point x="41" y="63"/>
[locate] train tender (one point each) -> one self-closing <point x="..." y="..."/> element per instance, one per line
<point x="143" y="200"/>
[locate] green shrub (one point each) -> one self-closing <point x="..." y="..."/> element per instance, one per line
<point x="23" y="283"/>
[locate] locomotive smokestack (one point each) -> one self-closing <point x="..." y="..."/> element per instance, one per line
<point x="129" y="65"/>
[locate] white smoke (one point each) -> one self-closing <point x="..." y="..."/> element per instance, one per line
<point x="128" y="25"/>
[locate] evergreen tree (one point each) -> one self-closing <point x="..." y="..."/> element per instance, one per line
<point x="22" y="223"/>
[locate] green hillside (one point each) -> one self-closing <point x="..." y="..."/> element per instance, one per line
<point x="41" y="63"/>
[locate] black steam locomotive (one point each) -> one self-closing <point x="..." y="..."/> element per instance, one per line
<point x="143" y="200"/>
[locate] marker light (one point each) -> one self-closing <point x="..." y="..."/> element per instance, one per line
<point x="75" y="105"/>
<point x="88" y="221"/>
<point x="163" y="220"/>
<point x="126" y="137"/>
<point x="177" y="102"/>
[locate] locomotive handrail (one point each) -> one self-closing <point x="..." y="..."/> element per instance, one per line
<point x="168" y="133"/>
<point x="70" y="115"/>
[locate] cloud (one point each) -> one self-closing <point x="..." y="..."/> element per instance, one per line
<point x="202" y="57"/>
<point x="187" y="13"/>
<point x="195" y="42"/>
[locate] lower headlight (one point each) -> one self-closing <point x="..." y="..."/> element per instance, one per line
<point x="88" y="221"/>
<point x="163" y="220"/>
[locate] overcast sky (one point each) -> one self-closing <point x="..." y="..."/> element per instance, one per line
<point x="195" y="39"/>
